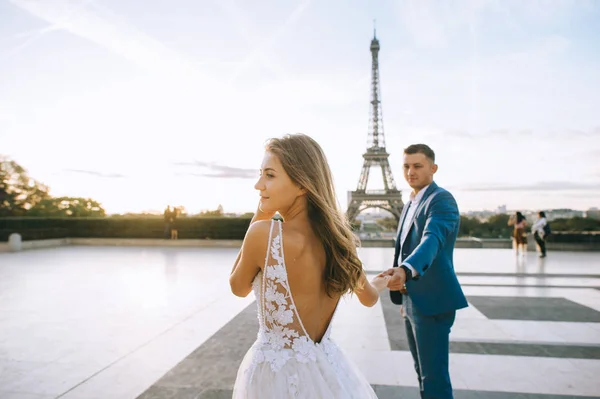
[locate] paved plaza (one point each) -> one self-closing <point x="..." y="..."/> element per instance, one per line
<point x="152" y="323"/>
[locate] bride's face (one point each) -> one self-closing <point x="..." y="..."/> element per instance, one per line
<point x="277" y="191"/>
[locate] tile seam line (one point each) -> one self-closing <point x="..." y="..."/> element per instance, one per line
<point x="138" y="348"/>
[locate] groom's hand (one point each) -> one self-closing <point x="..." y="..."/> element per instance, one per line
<point x="397" y="280"/>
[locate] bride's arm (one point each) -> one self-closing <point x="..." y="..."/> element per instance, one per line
<point x="258" y="216"/>
<point x="253" y="251"/>
<point x="247" y="264"/>
<point x="368" y="291"/>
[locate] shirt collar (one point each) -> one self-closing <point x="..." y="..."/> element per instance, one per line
<point x="417" y="198"/>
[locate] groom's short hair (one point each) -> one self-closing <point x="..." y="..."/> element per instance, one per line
<point x="420" y="149"/>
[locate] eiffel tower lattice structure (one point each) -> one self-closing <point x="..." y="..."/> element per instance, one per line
<point x="390" y="198"/>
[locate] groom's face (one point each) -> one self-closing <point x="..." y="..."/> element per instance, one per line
<point x="418" y="170"/>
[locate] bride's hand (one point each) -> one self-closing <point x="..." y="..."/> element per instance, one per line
<point x="380" y="282"/>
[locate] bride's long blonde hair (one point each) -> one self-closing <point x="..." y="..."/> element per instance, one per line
<point x="305" y="162"/>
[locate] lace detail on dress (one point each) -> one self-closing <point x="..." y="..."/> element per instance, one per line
<point x="284" y="362"/>
<point x="282" y="335"/>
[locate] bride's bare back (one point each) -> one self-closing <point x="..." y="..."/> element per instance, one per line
<point x="284" y="265"/>
<point x="305" y="258"/>
<point x="294" y="313"/>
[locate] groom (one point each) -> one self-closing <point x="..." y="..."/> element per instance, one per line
<point x="425" y="282"/>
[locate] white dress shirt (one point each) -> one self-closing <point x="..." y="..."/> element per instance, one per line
<point x="406" y="223"/>
<point x="538" y="226"/>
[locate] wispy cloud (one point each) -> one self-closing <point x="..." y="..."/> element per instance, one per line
<point x="579" y="195"/>
<point x="521" y="133"/>
<point x="427" y="22"/>
<point x="218" y="171"/>
<point x="593" y="153"/>
<point x="102" y="26"/>
<point x="437" y="22"/>
<point x="459" y="134"/>
<point x="246" y="33"/>
<point x="5" y="115"/>
<point x="541" y="186"/>
<point x="30" y="37"/>
<point x="96" y="174"/>
<point x="262" y="47"/>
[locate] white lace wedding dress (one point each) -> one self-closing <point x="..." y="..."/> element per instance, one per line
<point x="285" y="362"/>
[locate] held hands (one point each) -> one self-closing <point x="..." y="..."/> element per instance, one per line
<point x="397" y="279"/>
<point x="380" y="281"/>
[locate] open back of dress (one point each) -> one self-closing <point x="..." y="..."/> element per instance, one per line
<point x="284" y="362"/>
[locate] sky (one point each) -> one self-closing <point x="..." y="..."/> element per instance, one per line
<point x="140" y="104"/>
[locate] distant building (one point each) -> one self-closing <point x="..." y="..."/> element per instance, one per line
<point x="531" y="215"/>
<point x="482" y="216"/>
<point x="593" y="213"/>
<point x="563" y="214"/>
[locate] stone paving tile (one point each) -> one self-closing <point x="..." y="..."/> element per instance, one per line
<point x="213" y="366"/>
<point x="158" y="392"/>
<point x="397" y="337"/>
<point x="209" y="371"/>
<point x="541" y="309"/>
<point x="395" y="392"/>
<point x="382" y="391"/>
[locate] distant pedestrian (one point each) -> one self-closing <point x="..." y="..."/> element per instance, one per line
<point x="541" y="230"/>
<point x="174" y="214"/>
<point x="168" y="218"/>
<point x="519" y="234"/>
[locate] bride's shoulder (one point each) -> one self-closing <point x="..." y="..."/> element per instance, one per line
<point x="258" y="230"/>
<point x="257" y="236"/>
<point x="260" y="227"/>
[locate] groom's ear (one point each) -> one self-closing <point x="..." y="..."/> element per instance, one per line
<point x="434" y="167"/>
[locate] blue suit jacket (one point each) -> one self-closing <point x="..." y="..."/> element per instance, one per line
<point x="428" y="248"/>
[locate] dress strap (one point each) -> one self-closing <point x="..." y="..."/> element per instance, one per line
<point x="264" y="280"/>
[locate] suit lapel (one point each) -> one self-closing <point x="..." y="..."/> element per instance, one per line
<point x="401" y="221"/>
<point x="432" y="187"/>
<point x="398" y="234"/>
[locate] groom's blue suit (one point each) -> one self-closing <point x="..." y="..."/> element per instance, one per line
<point x="434" y="295"/>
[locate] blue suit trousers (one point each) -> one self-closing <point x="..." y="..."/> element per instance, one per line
<point x="429" y="342"/>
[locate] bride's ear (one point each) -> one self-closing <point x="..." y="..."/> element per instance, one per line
<point x="303" y="191"/>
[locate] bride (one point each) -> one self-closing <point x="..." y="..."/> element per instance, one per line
<point x="299" y="269"/>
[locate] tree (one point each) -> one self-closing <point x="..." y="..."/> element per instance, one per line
<point x="575" y="224"/>
<point x="498" y="226"/>
<point x="495" y="227"/>
<point x="216" y="213"/>
<point x="18" y="192"/>
<point x="67" y="207"/>
<point x="469" y="227"/>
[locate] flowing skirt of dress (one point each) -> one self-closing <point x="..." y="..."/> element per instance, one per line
<point x="329" y="374"/>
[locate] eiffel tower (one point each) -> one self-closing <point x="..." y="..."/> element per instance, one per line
<point x="390" y="198"/>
